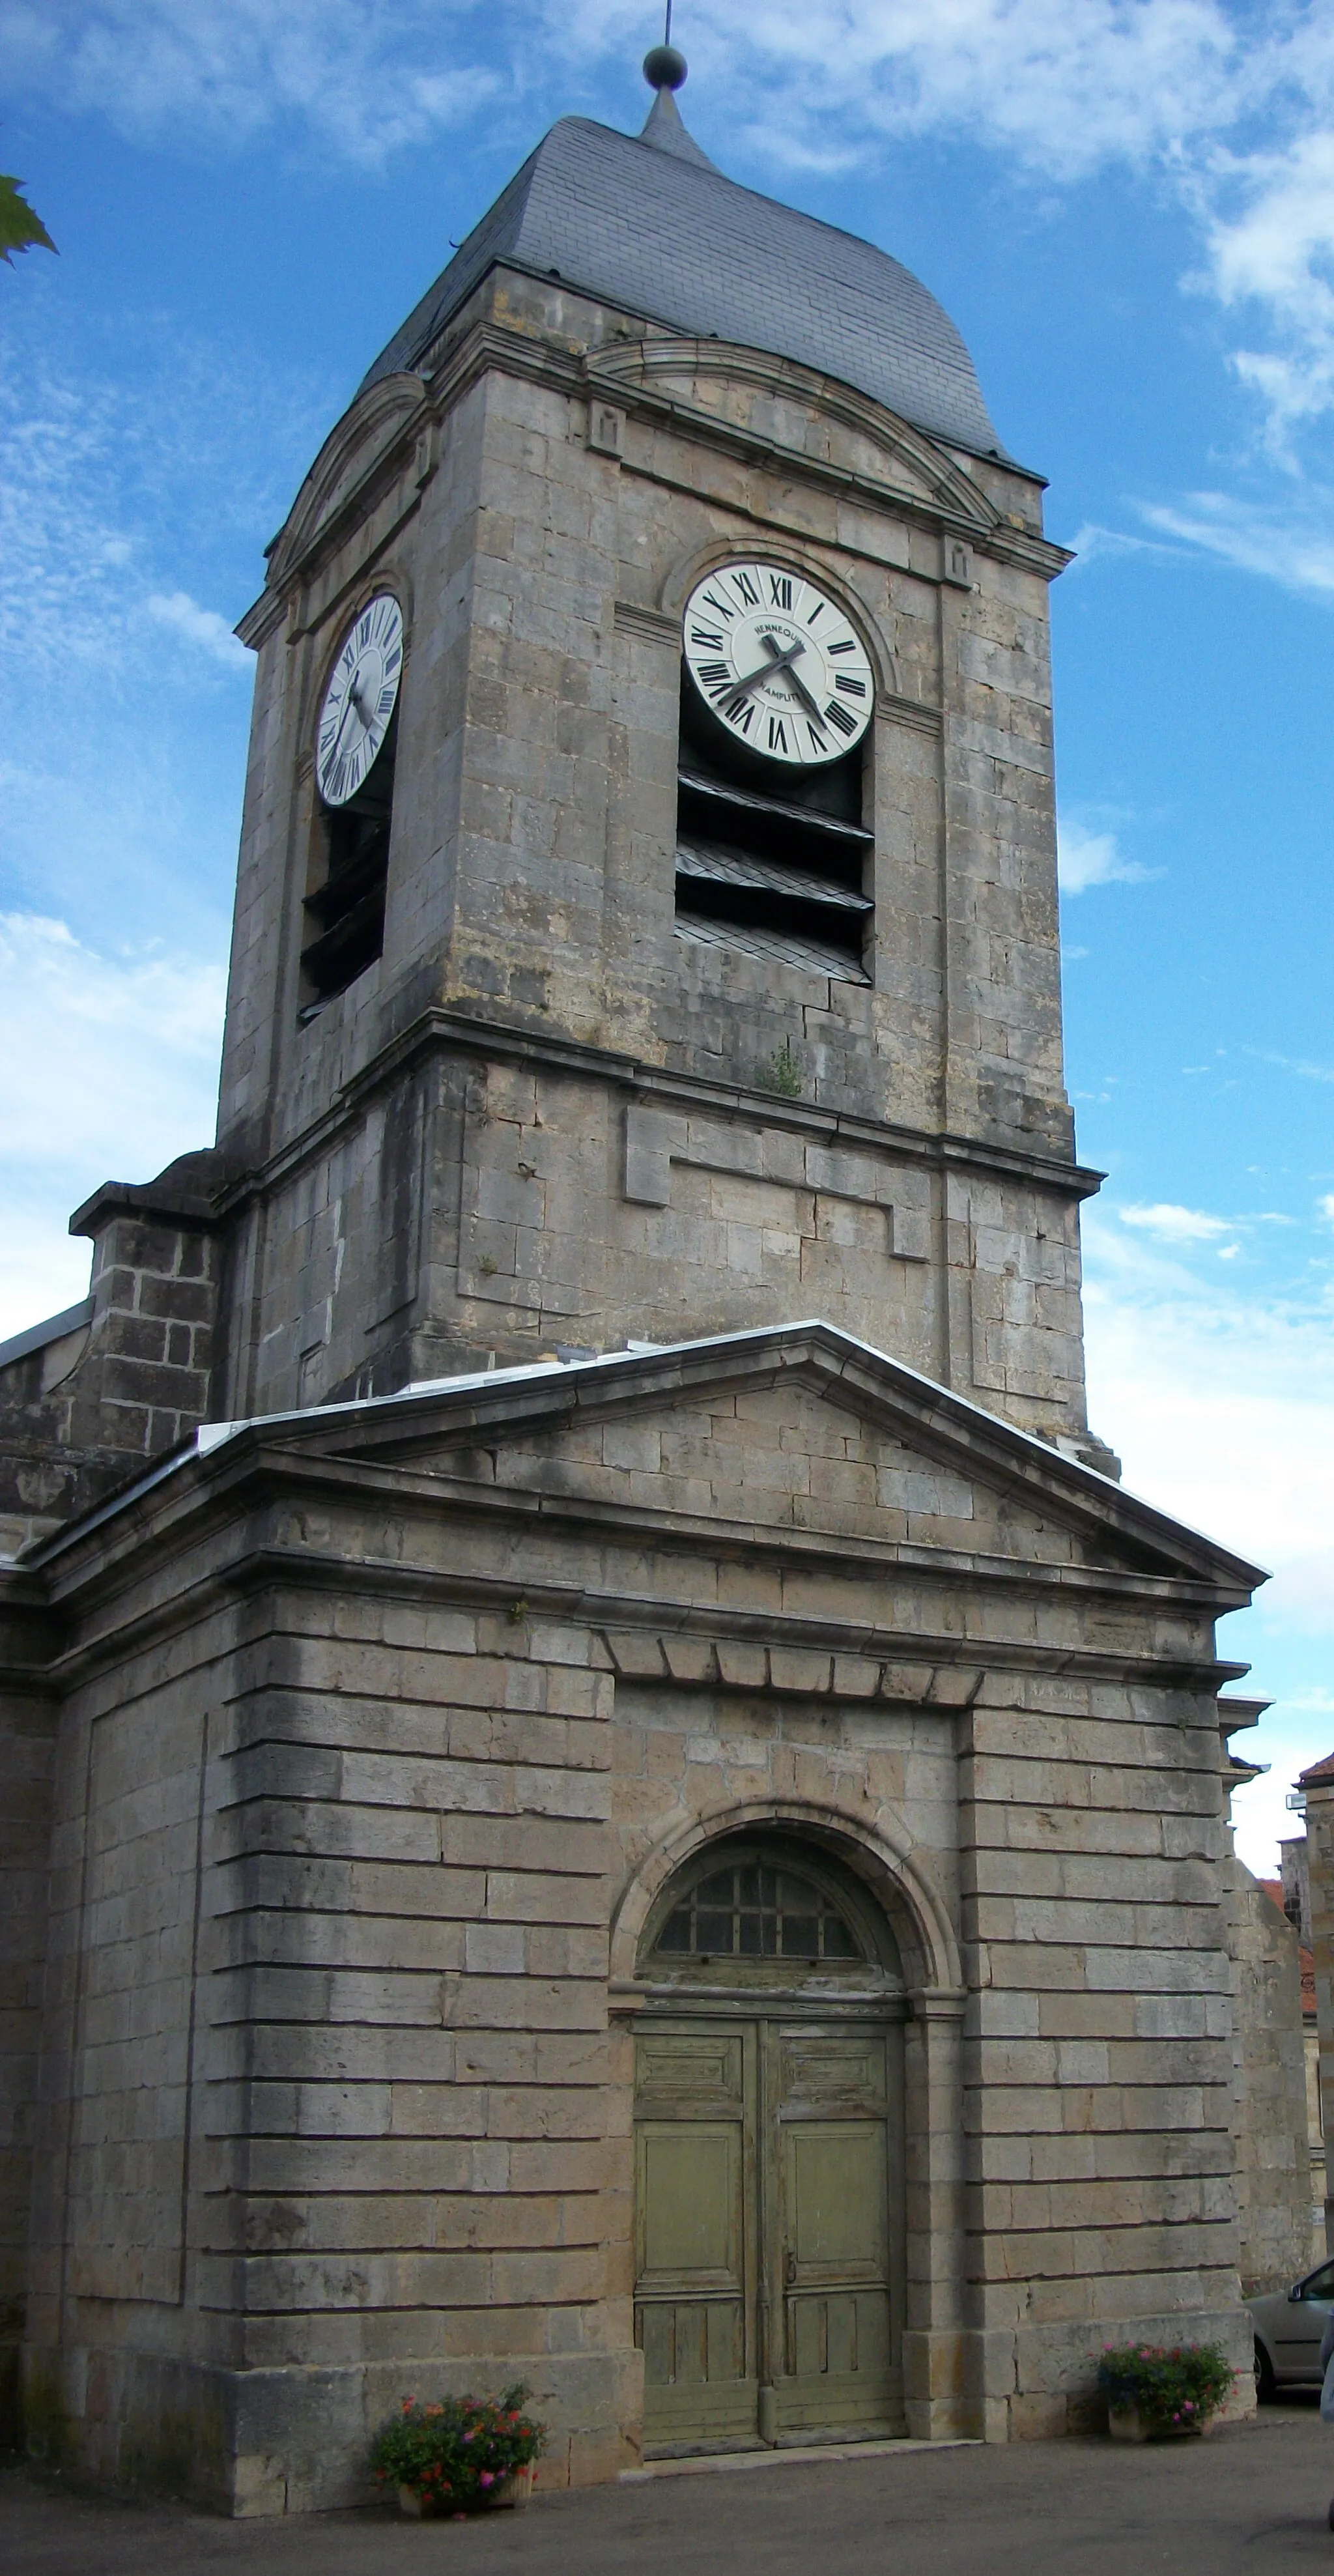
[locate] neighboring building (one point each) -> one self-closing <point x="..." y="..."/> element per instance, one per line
<point x="1295" y="1884"/>
<point x="1276" y="2028"/>
<point x="601" y="1782"/>
<point x="1313" y="1876"/>
<point x="1293" y="1893"/>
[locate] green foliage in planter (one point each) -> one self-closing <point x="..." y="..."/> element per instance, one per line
<point x="455" y="2450"/>
<point x="1174" y="2391"/>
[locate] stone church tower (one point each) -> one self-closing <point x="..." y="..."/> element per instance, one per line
<point x="608" y="1789"/>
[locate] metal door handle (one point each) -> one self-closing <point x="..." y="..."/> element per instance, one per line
<point x="790" y="2268"/>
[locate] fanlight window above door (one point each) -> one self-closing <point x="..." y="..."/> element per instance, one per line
<point x="750" y="1911"/>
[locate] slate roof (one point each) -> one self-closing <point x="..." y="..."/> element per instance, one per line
<point x="647" y="224"/>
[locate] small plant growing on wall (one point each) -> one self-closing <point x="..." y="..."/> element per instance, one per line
<point x="1153" y="2393"/>
<point x="782" y="1072"/>
<point x="458" y="2453"/>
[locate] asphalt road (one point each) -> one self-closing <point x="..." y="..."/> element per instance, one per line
<point x="1253" y="2499"/>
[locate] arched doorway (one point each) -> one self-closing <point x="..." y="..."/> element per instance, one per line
<point x="768" y="2153"/>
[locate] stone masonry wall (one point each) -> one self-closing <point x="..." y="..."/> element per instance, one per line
<point x="531" y="890"/>
<point x="356" y="1831"/>
<point x="27" y="1750"/>
<point x="81" y="1414"/>
<point x="1098" y="2063"/>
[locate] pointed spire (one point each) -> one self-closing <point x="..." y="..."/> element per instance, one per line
<point x="665" y="71"/>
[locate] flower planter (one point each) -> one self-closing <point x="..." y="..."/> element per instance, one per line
<point x="513" y="2492"/>
<point x="448" y="2457"/>
<point x="1126" y="2424"/>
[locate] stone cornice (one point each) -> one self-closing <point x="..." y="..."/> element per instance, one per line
<point x="937" y="1671"/>
<point x="446" y="1032"/>
<point x="488" y="346"/>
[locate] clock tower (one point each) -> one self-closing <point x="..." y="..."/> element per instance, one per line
<point x="647" y="913"/>
<point x="598" y="1791"/>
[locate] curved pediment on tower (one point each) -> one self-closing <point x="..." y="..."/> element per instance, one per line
<point x="726" y="388"/>
<point x="348" y="462"/>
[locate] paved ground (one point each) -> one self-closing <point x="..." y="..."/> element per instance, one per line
<point x="1251" y="2500"/>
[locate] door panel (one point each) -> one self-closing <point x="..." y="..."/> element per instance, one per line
<point x="694" y="2287"/>
<point x="833" y="2211"/>
<point x="767" y="2272"/>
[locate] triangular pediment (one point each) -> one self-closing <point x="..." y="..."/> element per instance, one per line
<point x="799" y="1432"/>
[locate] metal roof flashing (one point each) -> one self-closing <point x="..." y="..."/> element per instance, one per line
<point x="1074" y="1474"/>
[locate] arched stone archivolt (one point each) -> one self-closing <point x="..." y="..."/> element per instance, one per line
<point x="793" y="555"/>
<point x="884" y="1864"/>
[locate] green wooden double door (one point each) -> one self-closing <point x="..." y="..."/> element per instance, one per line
<point x="768" y="2296"/>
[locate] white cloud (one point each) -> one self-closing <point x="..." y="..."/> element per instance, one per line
<point x="201" y="626"/>
<point x="1294" y="547"/>
<point x="86" y="1040"/>
<point x="108" y="1069"/>
<point x="1221" y="1404"/>
<point x="1175" y="1225"/>
<point x="367" y="80"/>
<point x="1085" y="859"/>
<point x="1228" y="103"/>
<point x="1300" y="1065"/>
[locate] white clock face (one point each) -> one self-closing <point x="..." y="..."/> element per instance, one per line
<point x="359" y="699"/>
<point x="778" y="663"/>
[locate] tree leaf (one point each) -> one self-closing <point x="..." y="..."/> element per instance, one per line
<point x="20" y="228"/>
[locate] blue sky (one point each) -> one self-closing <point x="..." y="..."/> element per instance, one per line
<point x="1128" y="209"/>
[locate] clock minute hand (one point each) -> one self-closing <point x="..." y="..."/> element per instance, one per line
<point x="764" y="670"/>
<point x="784" y="662"/>
<point x="350" y="701"/>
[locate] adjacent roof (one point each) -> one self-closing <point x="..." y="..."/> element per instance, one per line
<point x="646" y="223"/>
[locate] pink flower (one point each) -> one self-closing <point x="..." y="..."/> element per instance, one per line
<point x="486" y="2479"/>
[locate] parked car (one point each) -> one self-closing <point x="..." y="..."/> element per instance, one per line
<point x="1288" y="2327"/>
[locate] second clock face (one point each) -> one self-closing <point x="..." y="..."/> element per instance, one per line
<point x="359" y="699"/>
<point x="778" y="663"/>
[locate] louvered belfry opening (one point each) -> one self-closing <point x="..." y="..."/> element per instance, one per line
<point x="345" y="913"/>
<point x="772" y="875"/>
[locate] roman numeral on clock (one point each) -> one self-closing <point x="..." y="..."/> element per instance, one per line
<point x="721" y="607"/>
<point x="777" y="734"/>
<point x="707" y="639"/>
<point x="714" y="675"/>
<point x="852" y="688"/>
<point x="834" y="714"/>
<point x="780" y="591"/>
<point x="845" y="645"/>
<point x="747" y="589"/>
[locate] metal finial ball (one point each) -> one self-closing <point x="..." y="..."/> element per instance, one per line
<point x="664" y="68"/>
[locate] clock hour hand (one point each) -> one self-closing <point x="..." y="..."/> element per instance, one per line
<point x="350" y="701"/>
<point x="784" y="662"/>
<point x="765" y="671"/>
